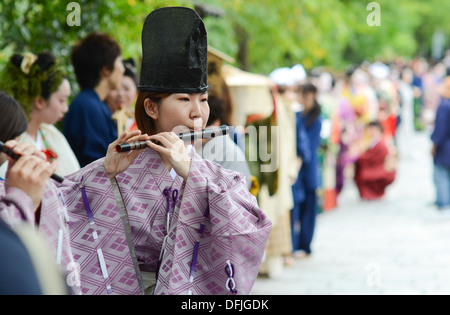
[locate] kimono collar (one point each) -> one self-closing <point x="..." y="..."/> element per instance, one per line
<point x="150" y="163"/>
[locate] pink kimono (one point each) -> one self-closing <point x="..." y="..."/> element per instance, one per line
<point x="17" y="208"/>
<point x="203" y="236"/>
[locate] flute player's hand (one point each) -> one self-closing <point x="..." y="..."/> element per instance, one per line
<point x="115" y="162"/>
<point x="173" y="152"/>
<point x="23" y="149"/>
<point x="29" y="174"/>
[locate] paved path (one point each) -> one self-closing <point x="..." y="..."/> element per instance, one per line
<point x="398" y="245"/>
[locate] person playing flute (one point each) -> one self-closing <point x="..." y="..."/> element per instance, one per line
<point x="162" y="220"/>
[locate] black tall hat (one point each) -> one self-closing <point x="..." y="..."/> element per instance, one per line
<point x="174" y="52"/>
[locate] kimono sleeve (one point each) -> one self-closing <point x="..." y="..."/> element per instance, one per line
<point x="217" y="244"/>
<point x="16" y="206"/>
<point x="96" y="233"/>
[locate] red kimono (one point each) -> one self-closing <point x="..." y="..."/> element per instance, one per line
<point x="371" y="176"/>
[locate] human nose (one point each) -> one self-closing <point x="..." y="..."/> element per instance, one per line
<point x="65" y="108"/>
<point x="196" y="111"/>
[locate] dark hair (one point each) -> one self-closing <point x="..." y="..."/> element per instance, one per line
<point x="95" y="51"/>
<point x="376" y="124"/>
<point x="315" y="111"/>
<point x="13" y="121"/>
<point x="216" y="110"/>
<point x="45" y="61"/>
<point x="130" y="70"/>
<point x="42" y="78"/>
<point x="144" y="122"/>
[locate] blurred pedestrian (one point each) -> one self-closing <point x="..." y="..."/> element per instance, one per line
<point x="121" y="101"/>
<point x="308" y="181"/>
<point x="406" y="128"/>
<point x="88" y="125"/>
<point x="441" y="147"/>
<point x="374" y="170"/>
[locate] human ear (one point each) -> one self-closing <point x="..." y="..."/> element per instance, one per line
<point x="151" y="108"/>
<point x="39" y="103"/>
<point x="105" y="72"/>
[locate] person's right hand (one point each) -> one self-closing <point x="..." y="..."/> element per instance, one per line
<point x="115" y="162"/>
<point x="30" y="173"/>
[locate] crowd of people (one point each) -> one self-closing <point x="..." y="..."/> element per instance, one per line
<point x="365" y="123"/>
<point x="116" y="228"/>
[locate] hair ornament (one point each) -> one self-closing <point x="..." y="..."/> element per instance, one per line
<point x="27" y="62"/>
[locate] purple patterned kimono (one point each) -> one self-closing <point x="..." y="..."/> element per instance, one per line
<point x="17" y="208"/>
<point x="203" y="236"/>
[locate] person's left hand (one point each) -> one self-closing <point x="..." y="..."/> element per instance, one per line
<point x="115" y="162"/>
<point x="23" y="149"/>
<point x="172" y="151"/>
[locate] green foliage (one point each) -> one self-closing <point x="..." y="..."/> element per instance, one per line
<point x="261" y="34"/>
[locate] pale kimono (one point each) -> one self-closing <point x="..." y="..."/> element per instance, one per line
<point x="203" y="236"/>
<point x="16" y="209"/>
<point x="67" y="161"/>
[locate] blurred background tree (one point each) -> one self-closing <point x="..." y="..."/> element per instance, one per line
<point x="261" y="35"/>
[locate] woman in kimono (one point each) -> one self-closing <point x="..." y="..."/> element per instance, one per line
<point x="375" y="166"/>
<point x="39" y="84"/>
<point x="162" y="220"/>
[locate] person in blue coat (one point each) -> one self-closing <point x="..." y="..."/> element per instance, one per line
<point x="441" y="148"/>
<point x="88" y="125"/>
<point x="304" y="213"/>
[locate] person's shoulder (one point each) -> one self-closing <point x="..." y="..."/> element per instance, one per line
<point x="51" y="132"/>
<point x="49" y="128"/>
<point x="318" y="120"/>
<point x="217" y="174"/>
<point x="84" y="98"/>
<point x="443" y="110"/>
<point x="381" y="146"/>
<point x="85" y="105"/>
<point x="445" y="103"/>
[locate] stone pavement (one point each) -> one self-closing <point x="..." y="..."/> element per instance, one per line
<point x="398" y="245"/>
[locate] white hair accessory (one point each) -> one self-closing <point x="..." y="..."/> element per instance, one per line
<point x="27" y="61"/>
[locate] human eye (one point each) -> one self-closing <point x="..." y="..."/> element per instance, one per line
<point x="204" y="97"/>
<point x="184" y="98"/>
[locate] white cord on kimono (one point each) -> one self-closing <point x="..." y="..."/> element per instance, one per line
<point x="59" y="249"/>
<point x="66" y="215"/>
<point x="101" y="259"/>
<point x="163" y="247"/>
<point x="229" y="269"/>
